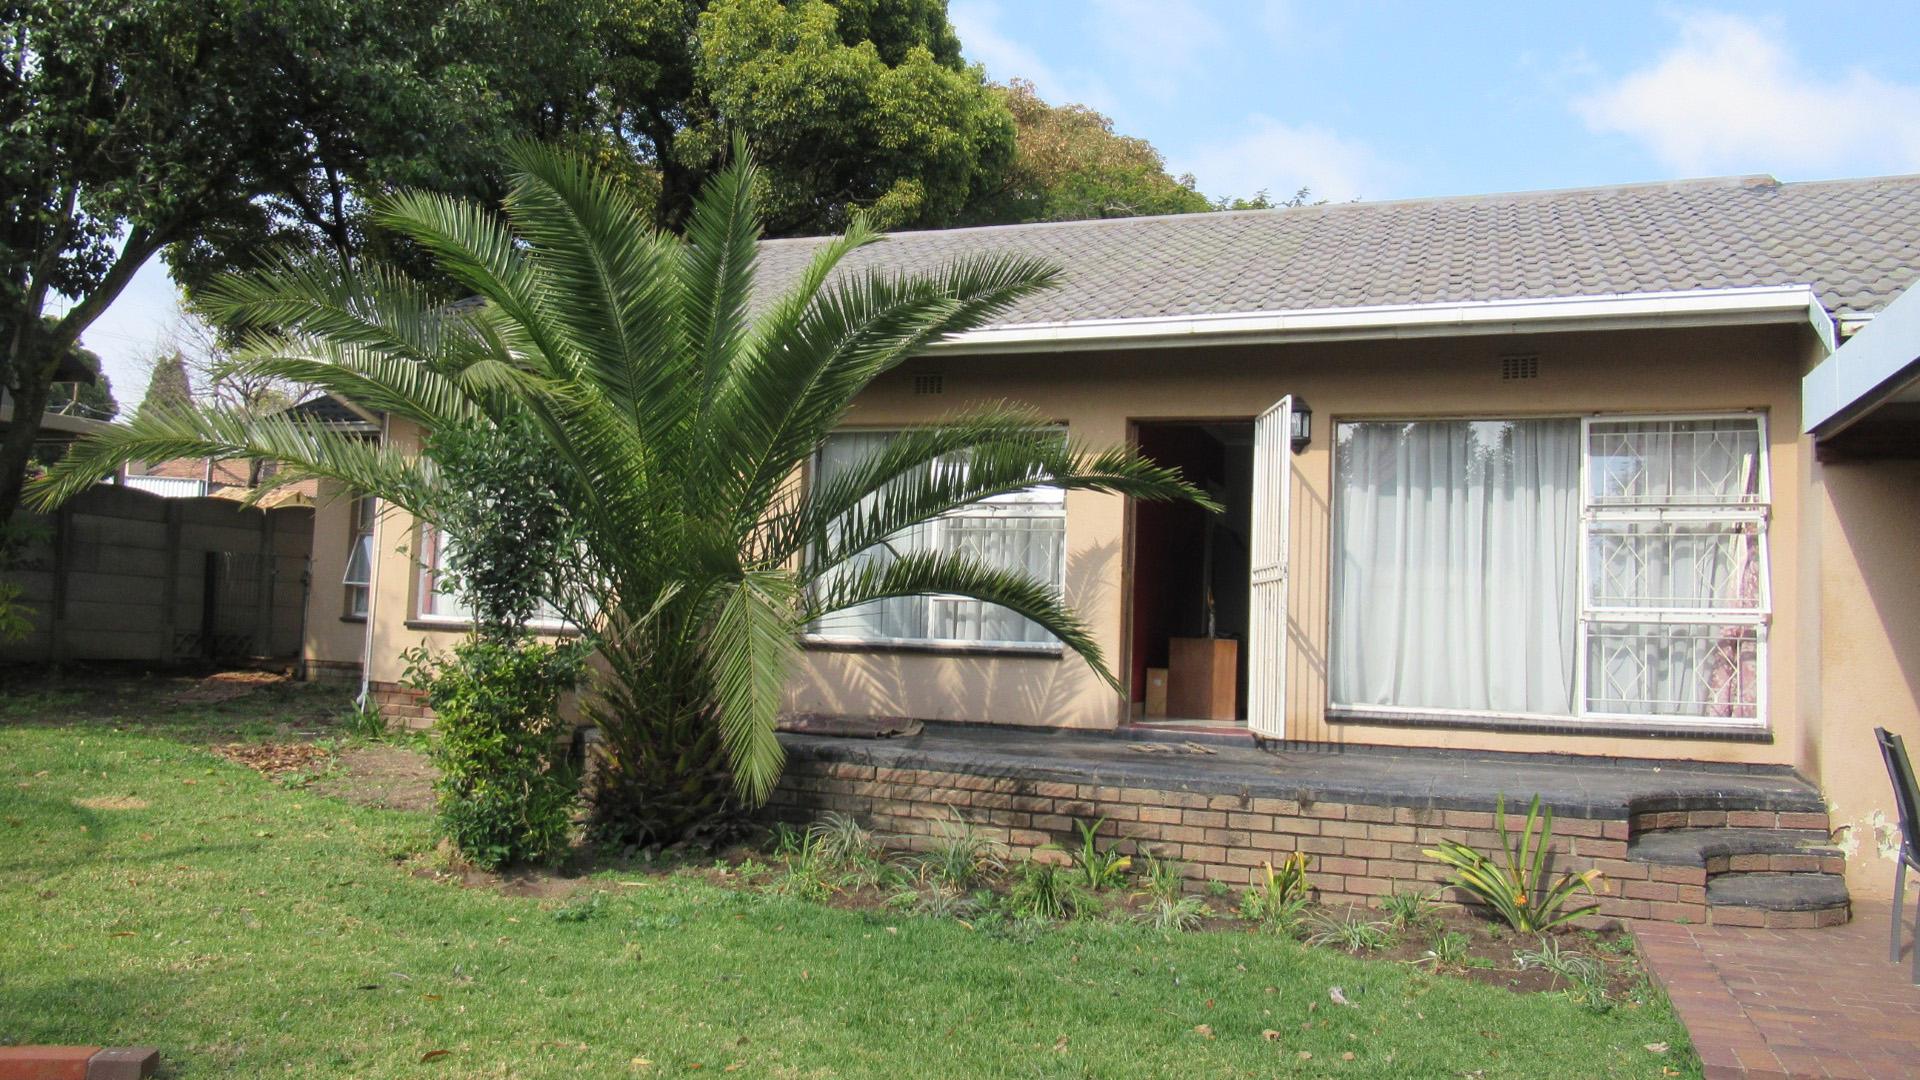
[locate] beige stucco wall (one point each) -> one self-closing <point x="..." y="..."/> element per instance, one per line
<point x="1869" y="651"/>
<point x="1845" y="638"/>
<point x="329" y="637"/>
<point x="1099" y="395"/>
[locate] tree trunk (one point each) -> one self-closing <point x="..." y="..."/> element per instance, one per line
<point x="17" y="445"/>
<point x="659" y="776"/>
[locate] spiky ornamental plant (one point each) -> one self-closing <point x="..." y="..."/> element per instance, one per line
<point x="683" y="423"/>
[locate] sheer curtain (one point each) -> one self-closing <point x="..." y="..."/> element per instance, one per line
<point x="1456" y="569"/>
<point x="1701" y="564"/>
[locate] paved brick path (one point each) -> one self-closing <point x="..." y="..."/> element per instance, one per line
<point x="1775" y="1003"/>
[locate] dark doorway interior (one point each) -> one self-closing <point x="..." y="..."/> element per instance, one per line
<point x="1189" y="565"/>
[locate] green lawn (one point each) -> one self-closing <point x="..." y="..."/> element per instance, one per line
<point x="153" y="893"/>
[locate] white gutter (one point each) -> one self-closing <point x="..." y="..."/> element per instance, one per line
<point x="1767" y="304"/>
<point x="373" y="587"/>
<point x="1874" y="364"/>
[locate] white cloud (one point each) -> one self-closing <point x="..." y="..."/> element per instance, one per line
<point x="1282" y="158"/>
<point x="985" y="43"/>
<point x="1731" y="97"/>
<point x="1158" y="43"/>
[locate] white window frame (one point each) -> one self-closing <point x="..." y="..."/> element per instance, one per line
<point x="1039" y="501"/>
<point x="359" y="532"/>
<point x="1760" y="617"/>
<point x="428" y="565"/>
<point x="1757" y="513"/>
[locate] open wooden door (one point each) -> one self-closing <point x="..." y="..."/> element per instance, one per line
<point x="1267" y="609"/>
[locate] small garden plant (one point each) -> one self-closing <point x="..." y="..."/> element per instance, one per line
<point x="1046" y="890"/>
<point x="1352" y="932"/>
<point x="1517" y="887"/>
<point x="1278" y="901"/>
<point x="1099" y="868"/>
<point x="1167" y="905"/>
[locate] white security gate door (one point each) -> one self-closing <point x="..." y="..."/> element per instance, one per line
<point x="1267" y="612"/>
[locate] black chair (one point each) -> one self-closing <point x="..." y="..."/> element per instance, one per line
<point x="1906" y="797"/>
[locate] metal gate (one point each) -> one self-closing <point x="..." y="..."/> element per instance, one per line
<point x="231" y="615"/>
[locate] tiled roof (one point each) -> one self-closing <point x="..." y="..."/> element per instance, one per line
<point x="1857" y="242"/>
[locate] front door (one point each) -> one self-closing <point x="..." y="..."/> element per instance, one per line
<point x="1267" y="608"/>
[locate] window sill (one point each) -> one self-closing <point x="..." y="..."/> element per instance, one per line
<point x="1745" y="732"/>
<point x="463" y="626"/>
<point x="1035" y="650"/>
<point x="353" y="618"/>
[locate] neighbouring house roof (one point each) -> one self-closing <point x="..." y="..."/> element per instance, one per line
<point x="326" y="408"/>
<point x="1855" y="242"/>
<point x="1864" y="400"/>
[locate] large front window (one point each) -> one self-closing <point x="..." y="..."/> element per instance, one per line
<point x="1564" y="568"/>
<point x="1024" y="531"/>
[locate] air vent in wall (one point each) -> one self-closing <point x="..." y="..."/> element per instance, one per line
<point x="929" y="384"/>
<point x="1520" y="367"/>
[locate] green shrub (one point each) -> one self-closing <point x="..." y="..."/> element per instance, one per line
<point x="503" y="794"/>
<point x="1517" y="887"/>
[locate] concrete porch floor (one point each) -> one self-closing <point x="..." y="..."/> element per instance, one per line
<point x="1414" y="778"/>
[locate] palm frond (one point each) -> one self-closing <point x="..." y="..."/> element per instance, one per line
<point x="476" y="249"/>
<point x="853" y="332"/>
<point x="611" y="274"/>
<point x="934" y="574"/>
<point x="924" y="473"/>
<point x="302" y="448"/>
<point x="717" y="270"/>
<point x="750" y="651"/>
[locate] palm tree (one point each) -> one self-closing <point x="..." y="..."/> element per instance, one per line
<point x="680" y="410"/>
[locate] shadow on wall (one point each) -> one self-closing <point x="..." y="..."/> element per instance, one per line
<point x="1874" y="505"/>
<point x="984" y="688"/>
<point x="1310" y="569"/>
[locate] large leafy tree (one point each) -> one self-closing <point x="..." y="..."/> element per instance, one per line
<point x="854" y="104"/>
<point x="1069" y="164"/>
<point x="680" y="420"/>
<point x="206" y="128"/>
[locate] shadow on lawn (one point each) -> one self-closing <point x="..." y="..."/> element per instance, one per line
<point x="85" y="1011"/>
<point x="189" y="705"/>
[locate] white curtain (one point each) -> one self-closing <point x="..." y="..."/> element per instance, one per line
<point x="1023" y="531"/>
<point x="1456" y="573"/>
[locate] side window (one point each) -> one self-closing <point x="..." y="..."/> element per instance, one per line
<point x="358" y="579"/>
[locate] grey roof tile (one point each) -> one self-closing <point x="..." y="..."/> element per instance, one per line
<point x="1857" y="242"/>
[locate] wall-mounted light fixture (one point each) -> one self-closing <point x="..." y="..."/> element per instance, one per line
<point x="1302" y="424"/>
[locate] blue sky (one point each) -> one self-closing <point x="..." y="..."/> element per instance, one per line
<point x="1384" y="101"/>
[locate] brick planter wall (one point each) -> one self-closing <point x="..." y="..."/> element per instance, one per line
<point x="1356" y="853"/>
<point x="401" y="705"/>
<point x="330" y="672"/>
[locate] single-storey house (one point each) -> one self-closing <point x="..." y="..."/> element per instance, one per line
<point x="1522" y="473"/>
